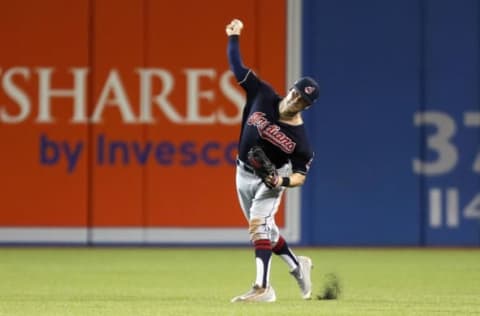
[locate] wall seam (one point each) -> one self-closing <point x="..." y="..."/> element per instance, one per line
<point x="422" y="108"/>
<point x="90" y="85"/>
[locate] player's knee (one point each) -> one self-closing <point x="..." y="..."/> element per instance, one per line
<point x="274" y="234"/>
<point x="257" y="228"/>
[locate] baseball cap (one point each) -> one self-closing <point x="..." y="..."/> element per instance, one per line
<point x="308" y="88"/>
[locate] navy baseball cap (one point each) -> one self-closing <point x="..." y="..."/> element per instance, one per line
<point x="308" y="88"/>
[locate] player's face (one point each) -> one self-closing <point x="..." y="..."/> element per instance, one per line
<point x="295" y="102"/>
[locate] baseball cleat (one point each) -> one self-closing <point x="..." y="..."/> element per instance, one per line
<point x="257" y="294"/>
<point x="303" y="276"/>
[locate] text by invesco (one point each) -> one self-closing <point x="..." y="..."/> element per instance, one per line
<point x="118" y="152"/>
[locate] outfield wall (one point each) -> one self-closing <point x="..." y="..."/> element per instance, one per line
<point x="119" y="119"/>
<point x="397" y="134"/>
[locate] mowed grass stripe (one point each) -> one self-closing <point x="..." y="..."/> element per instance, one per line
<point x="198" y="281"/>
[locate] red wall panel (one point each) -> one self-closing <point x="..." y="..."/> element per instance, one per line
<point x="38" y="35"/>
<point x="181" y="40"/>
<point x="142" y="91"/>
<point x="117" y="51"/>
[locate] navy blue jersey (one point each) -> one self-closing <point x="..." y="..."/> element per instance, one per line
<point x="260" y="121"/>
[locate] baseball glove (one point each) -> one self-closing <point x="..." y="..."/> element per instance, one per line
<point x="262" y="165"/>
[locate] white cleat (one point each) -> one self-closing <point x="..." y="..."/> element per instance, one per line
<point x="303" y="276"/>
<point x="257" y="294"/>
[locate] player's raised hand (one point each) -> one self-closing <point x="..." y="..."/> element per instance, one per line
<point x="234" y="28"/>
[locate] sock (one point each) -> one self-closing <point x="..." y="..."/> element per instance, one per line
<point x="281" y="249"/>
<point x="263" y="256"/>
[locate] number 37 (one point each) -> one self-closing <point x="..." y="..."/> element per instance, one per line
<point x="441" y="142"/>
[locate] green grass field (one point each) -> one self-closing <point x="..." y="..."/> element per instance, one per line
<point x="171" y="281"/>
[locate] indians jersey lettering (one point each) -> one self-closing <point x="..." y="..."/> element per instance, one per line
<point x="271" y="132"/>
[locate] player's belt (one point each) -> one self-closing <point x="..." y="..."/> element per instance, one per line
<point x="245" y="167"/>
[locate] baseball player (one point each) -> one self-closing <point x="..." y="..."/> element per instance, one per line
<point x="275" y="125"/>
